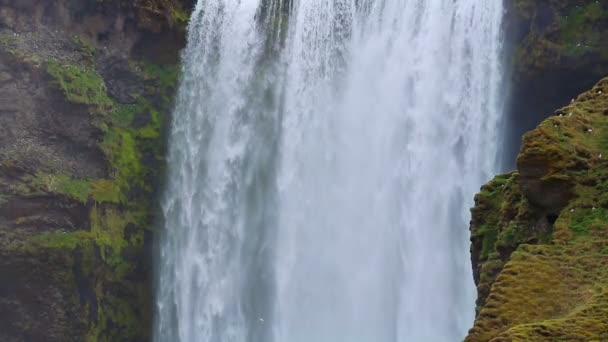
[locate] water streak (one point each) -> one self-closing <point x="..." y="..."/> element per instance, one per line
<point x="323" y="157"/>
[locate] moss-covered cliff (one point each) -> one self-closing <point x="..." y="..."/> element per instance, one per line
<point x="540" y="234"/>
<point x="85" y="90"/>
<point x="557" y="49"/>
<point x="560" y="35"/>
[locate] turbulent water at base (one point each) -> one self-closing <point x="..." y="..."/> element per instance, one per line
<point x="322" y="161"/>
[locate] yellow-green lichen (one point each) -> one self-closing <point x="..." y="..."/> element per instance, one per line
<point x="104" y="190"/>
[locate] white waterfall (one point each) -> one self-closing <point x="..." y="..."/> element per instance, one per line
<point x="323" y="158"/>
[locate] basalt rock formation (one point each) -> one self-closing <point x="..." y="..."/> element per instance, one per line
<point x="540" y="234"/>
<point x="85" y="92"/>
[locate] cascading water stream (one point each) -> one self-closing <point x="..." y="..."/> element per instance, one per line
<point x="323" y="157"/>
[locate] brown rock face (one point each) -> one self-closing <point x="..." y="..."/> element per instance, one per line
<point x="85" y="93"/>
<point x="38" y="127"/>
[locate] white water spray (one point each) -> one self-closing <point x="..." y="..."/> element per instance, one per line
<point x="323" y="157"/>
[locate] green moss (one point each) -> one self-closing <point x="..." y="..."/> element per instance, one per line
<point x="63" y="240"/>
<point x="116" y="298"/>
<point x="179" y="14"/>
<point x="577" y="28"/>
<point x="166" y="75"/>
<point x="107" y="226"/>
<point x="121" y="148"/>
<point x="61" y="184"/>
<point x="123" y="115"/>
<point x="582" y="220"/>
<point x="499" y="215"/>
<point x="490" y="236"/>
<point x="99" y="190"/>
<point x="118" y="320"/>
<point x="120" y="206"/>
<point x="562" y="34"/>
<point x="80" y="84"/>
<point x="553" y="286"/>
<point x="103" y="190"/>
<point x="545" y="286"/>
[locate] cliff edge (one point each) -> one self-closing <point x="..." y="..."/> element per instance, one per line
<point x="540" y="234"/>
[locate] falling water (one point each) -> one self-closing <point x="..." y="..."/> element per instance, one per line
<point x="323" y="157"/>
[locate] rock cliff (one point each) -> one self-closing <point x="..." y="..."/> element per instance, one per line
<point x="540" y="234"/>
<point x="556" y="49"/>
<point x="85" y="91"/>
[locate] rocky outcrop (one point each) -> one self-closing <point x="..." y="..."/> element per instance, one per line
<point x="540" y="234"/>
<point x="558" y="49"/>
<point x="85" y="92"/>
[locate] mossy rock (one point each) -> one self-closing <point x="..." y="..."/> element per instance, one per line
<point x="540" y="234"/>
<point x="561" y="32"/>
<point x="121" y="206"/>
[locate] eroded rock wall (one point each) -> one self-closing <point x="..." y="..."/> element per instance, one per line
<point x="86" y="88"/>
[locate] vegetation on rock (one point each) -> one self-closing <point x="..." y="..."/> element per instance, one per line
<point x="80" y="168"/>
<point x="540" y="234"/>
<point x="561" y="32"/>
<point x="121" y="207"/>
<point x="559" y="49"/>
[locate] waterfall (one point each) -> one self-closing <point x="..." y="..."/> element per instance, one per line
<point x="323" y="158"/>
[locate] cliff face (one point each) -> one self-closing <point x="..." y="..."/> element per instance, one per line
<point x="558" y="49"/>
<point x="540" y="234"/>
<point x="85" y="91"/>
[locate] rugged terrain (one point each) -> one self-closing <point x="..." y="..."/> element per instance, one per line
<point x="85" y="89"/>
<point x="540" y="234"/>
<point x="556" y="49"/>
